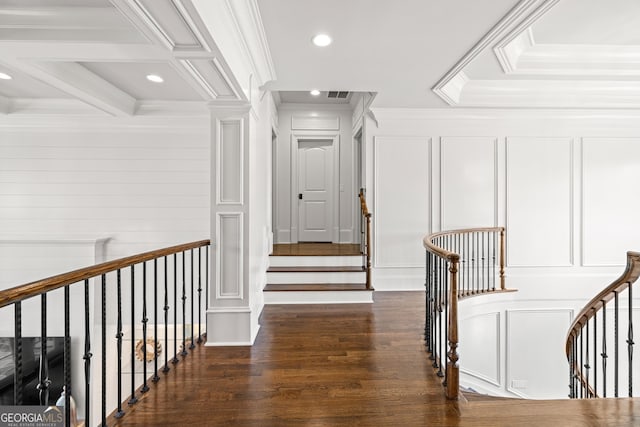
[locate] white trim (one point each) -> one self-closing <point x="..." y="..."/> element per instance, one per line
<point x="239" y="294"/>
<point x="219" y="161"/>
<point x="508" y="54"/>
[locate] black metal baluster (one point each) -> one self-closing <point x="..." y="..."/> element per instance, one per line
<point x="184" y="307"/>
<point x="493" y="262"/>
<point x="587" y="365"/>
<point x="133" y="399"/>
<point x="156" y="377"/>
<point x="87" y="355"/>
<point x="17" y="354"/>
<point x="199" y="295"/>
<point x="427" y="311"/>
<point x="43" y="373"/>
<point x="571" y="369"/>
<point x="604" y="354"/>
<point x="193" y="344"/>
<point x="445" y="351"/>
<point x="119" y="412"/>
<point x="630" y="341"/>
<point x="145" y="386"/>
<point x="595" y="353"/>
<point x="103" y="350"/>
<point x="166" y="368"/>
<point x="175" y="310"/>
<point x="436" y="260"/>
<point x="473" y="263"/>
<point x="206" y="280"/>
<point x="482" y="286"/>
<point x="615" y="344"/>
<point x="67" y="359"/>
<point x="581" y="354"/>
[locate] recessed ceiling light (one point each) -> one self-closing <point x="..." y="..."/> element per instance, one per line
<point x="321" y="40"/>
<point x="5" y="76"/>
<point x="315" y="92"/>
<point x="155" y="78"/>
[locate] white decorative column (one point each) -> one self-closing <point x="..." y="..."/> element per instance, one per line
<point x="229" y="316"/>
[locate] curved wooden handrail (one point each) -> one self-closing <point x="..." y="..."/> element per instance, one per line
<point x="28" y="290"/>
<point x="428" y="244"/>
<point x="629" y="276"/>
<point x="363" y="204"/>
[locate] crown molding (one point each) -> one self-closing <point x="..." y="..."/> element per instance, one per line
<point x="509" y="54"/>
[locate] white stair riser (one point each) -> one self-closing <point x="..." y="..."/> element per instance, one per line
<point x="316" y="277"/>
<point x="315" y="261"/>
<point x="318" y="297"/>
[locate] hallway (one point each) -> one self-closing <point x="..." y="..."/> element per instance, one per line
<point x="337" y="365"/>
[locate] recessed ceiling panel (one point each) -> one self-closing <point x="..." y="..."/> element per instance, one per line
<point x="23" y="86"/>
<point x="131" y="78"/>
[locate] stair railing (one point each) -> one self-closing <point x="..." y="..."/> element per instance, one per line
<point x="600" y="344"/>
<point x="170" y="275"/>
<point x="365" y="237"/>
<point x="459" y="264"/>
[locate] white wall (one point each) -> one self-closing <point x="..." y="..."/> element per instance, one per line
<point x="322" y="121"/>
<point x="561" y="182"/>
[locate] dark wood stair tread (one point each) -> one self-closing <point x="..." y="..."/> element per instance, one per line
<point x="288" y="287"/>
<point x="307" y="269"/>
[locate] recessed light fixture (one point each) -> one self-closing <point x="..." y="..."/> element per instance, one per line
<point x="155" y="78"/>
<point x="315" y="92"/>
<point x="321" y="40"/>
<point x="5" y="76"/>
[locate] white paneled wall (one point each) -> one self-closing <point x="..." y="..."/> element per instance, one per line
<point x="143" y="188"/>
<point x="565" y="186"/>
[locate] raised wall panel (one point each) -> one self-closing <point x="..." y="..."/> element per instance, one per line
<point x="401" y="170"/>
<point x="482" y="333"/>
<point x="536" y="362"/>
<point x="468" y="182"/>
<point x="610" y="202"/>
<point x="539" y="202"/>
<point x="230" y="163"/>
<point x="229" y="255"/>
<point x="315" y="123"/>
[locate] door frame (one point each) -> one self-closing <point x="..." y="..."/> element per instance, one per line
<point x="311" y="136"/>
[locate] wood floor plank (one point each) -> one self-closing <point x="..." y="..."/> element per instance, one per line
<point x="340" y="365"/>
<point x="315" y="249"/>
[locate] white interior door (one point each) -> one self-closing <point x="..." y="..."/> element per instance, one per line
<point x="315" y="191"/>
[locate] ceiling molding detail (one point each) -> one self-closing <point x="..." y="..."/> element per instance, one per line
<point x="509" y="53"/>
<point x="211" y="78"/>
<point x="510" y="25"/>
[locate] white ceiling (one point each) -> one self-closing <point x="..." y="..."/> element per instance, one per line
<point x="412" y="53"/>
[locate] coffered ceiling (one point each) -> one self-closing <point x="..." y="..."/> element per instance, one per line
<point x="93" y="56"/>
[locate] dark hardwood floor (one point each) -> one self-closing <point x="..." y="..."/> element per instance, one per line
<point x="341" y="365"/>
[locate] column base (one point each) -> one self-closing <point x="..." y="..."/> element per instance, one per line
<point x="231" y="326"/>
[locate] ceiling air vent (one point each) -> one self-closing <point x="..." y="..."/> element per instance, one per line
<point x="337" y="94"/>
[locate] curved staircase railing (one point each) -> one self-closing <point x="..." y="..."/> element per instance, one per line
<point x="599" y="345"/>
<point x="165" y="279"/>
<point x="459" y="264"/>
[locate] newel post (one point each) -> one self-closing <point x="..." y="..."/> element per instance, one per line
<point x="502" y="285"/>
<point x="453" y="369"/>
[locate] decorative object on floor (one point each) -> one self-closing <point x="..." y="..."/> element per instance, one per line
<point x="146" y="351"/>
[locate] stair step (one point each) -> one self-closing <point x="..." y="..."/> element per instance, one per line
<point x="311" y="261"/>
<point x="316" y="269"/>
<point x="307" y="287"/>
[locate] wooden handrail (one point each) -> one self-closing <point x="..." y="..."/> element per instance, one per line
<point x="366" y="222"/>
<point x="455" y="290"/>
<point x="28" y="290"/>
<point x="592" y="308"/>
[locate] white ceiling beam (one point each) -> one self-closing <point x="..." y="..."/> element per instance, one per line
<point x="60" y="17"/>
<point x="79" y="82"/>
<point x="83" y="52"/>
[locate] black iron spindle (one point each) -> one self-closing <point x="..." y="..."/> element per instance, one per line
<point x="87" y="354"/>
<point x="166" y="368"/>
<point x="595" y="353"/>
<point x="175" y="310"/>
<point x="630" y="342"/>
<point x="604" y="354"/>
<point x="193" y="344"/>
<point x="103" y="292"/>
<point x="156" y="377"/>
<point x="133" y="399"/>
<point x="615" y="344"/>
<point x="199" y="295"/>
<point x="206" y="279"/>
<point x="184" y="307"/>
<point x="587" y="365"/>
<point x="435" y="312"/>
<point x="67" y="359"/>
<point x="43" y="372"/>
<point x="119" y="412"/>
<point x="445" y="276"/>
<point x="581" y="358"/>
<point x="145" y="319"/>
<point x="17" y="354"/>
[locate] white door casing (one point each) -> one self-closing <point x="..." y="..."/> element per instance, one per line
<point x="315" y="191"/>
